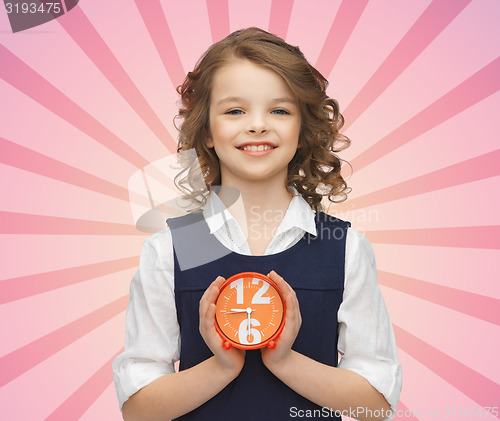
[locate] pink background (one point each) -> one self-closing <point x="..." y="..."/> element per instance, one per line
<point x="87" y="101"/>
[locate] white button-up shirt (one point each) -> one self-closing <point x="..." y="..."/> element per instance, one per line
<point x="152" y="341"/>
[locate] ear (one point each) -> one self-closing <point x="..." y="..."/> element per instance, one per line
<point x="207" y="139"/>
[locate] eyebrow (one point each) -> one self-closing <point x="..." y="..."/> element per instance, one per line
<point x="230" y="99"/>
<point x="239" y="99"/>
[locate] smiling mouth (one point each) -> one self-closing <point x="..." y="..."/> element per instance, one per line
<point x="255" y="148"/>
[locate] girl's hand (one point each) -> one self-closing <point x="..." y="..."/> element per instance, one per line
<point x="293" y="320"/>
<point x="231" y="359"/>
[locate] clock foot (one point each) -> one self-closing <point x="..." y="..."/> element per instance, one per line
<point x="271" y="345"/>
<point x="226" y="345"/>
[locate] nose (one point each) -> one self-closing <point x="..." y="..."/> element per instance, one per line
<point x="257" y="125"/>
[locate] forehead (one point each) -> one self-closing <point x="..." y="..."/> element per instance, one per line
<point x="246" y="79"/>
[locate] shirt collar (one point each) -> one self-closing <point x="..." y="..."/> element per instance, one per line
<point x="215" y="212"/>
<point x="298" y="215"/>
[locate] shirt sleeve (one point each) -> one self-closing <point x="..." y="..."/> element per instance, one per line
<point x="366" y="338"/>
<point x="152" y="336"/>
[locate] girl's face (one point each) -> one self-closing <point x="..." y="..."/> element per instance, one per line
<point x="254" y="123"/>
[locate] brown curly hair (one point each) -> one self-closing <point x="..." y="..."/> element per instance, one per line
<point x="315" y="169"/>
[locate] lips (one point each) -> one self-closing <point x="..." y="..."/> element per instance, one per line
<point x="256" y="146"/>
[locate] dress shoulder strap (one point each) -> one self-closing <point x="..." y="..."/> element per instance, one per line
<point x="193" y="244"/>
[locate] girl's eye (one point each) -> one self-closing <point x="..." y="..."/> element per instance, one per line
<point x="280" y="111"/>
<point x="234" y="112"/>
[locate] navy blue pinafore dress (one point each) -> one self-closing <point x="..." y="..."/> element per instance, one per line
<point x="314" y="268"/>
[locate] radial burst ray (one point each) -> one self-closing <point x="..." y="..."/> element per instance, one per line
<point x="26" y="286"/>
<point x="79" y="27"/>
<point x="25" y="358"/>
<point x="428" y="26"/>
<point x="478" y="387"/>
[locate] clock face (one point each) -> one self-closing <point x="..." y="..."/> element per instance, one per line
<point x="250" y="311"/>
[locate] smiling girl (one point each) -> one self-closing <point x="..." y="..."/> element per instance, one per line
<point x="258" y="116"/>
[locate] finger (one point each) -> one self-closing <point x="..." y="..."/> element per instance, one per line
<point x="277" y="278"/>
<point x="210" y="294"/>
<point x="210" y="314"/>
<point x="215" y="289"/>
<point x="207" y="301"/>
<point x="291" y="300"/>
<point x="290" y="307"/>
<point x="218" y="281"/>
<point x="284" y="286"/>
<point x="286" y="289"/>
<point x="203" y="304"/>
<point x="209" y="317"/>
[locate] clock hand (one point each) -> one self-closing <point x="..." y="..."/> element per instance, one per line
<point x="237" y="310"/>
<point x="249" y="310"/>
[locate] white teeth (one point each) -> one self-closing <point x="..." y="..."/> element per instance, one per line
<point x="255" y="148"/>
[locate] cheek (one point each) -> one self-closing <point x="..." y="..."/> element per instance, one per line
<point x="293" y="132"/>
<point x="220" y="131"/>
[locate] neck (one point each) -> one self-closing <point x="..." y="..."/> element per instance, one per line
<point x="259" y="198"/>
<point x="259" y="209"/>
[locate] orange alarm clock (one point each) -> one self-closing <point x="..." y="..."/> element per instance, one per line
<point x="250" y="311"/>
